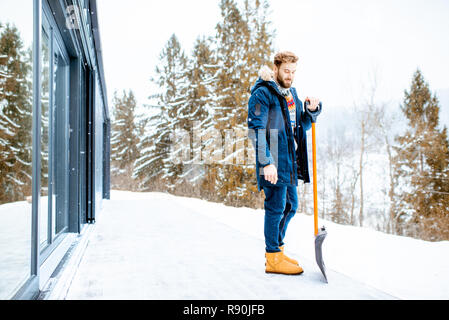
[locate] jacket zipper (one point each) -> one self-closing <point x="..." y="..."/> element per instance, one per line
<point x="288" y="144"/>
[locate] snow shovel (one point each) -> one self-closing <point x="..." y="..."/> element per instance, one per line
<point x="321" y="233"/>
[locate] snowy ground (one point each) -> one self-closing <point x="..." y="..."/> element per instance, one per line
<point x="157" y="246"/>
<point x="15" y="246"/>
<point x="15" y="243"/>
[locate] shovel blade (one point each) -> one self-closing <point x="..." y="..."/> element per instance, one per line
<point x="319" y="238"/>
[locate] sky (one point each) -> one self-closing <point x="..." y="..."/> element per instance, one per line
<point x="343" y="46"/>
<point x="19" y="13"/>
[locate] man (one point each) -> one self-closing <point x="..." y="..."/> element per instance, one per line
<point x="278" y="127"/>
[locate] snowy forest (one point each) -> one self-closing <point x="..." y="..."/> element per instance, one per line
<point x="15" y="116"/>
<point x="380" y="165"/>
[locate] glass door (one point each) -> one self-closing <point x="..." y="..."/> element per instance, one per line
<point x="60" y="183"/>
<point x="45" y="135"/>
<point x="55" y="136"/>
<point x="16" y="145"/>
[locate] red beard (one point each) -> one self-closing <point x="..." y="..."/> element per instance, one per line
<point x="282" y="83"/>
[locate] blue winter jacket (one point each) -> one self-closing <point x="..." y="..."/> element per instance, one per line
<point x="272" y="135"/>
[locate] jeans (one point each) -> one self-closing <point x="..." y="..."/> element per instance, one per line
<point x="280" y="206"/>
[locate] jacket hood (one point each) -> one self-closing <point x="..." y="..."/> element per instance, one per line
<point x="263" y="83"/>
<point x="265" y="79"/>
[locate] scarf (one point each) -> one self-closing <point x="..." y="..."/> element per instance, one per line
<point x="291" y="106"/>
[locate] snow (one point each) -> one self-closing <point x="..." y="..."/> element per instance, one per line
<point x="159" y="246"/>
<point x="15" y="125"/>
<point x="15" y="246"/>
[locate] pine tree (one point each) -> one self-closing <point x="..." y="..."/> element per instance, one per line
<point x="423" y="165"/>
<point x="158" y="160"/>
<point x="15" y="116"/>
<point x="124" y="138"/>
<point x="244" y="45"/>
<point x="260" y="44"/>
<point x="234" y="36"/>
<point x="198" y="114"/>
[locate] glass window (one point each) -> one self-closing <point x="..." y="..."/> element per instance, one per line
<point x="45" y="139"/>
<point x="82" y="145"/>
<point x="55" y="136"/>
<point x="16" y="38"/>
<point x="60" y="177"/>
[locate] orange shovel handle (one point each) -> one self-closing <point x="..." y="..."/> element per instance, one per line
<point x="315" y="188"/>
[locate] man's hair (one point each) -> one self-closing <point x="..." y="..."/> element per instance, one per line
<point x="284" y="56"/>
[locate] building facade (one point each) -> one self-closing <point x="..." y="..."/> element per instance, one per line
<point x="54" y="136"/>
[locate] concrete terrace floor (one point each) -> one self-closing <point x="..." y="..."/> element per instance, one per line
<point x="154" y="248"/>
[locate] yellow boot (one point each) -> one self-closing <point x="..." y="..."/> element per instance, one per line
<point x="288" y="258"/>
<point x="276" y="263"/>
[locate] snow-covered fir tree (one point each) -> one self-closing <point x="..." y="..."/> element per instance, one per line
<point x="125" y="137"/>
<point x="196" y="117"/>
<point x="15" y="116"/>
<point x="159" y="161"/>
<point x="244" y="44"/>
<point x="422" y="166"/>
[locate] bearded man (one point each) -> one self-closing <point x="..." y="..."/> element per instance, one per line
<point x="277" y="126"/>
